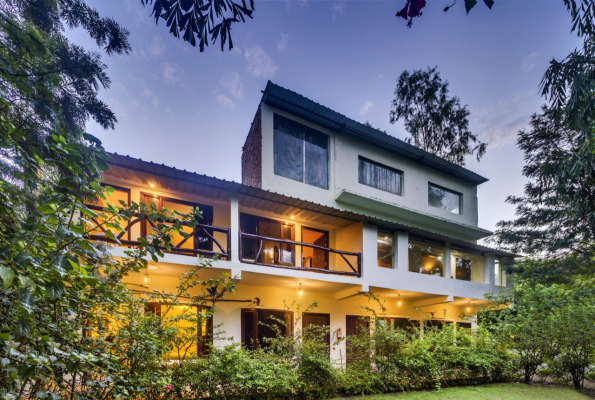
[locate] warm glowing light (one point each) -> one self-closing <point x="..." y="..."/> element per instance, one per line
<point x="146" y="278"/>
<point x="468" y="308"/>
<point x="300" y="292"/>
<point x="152" y="184"/>
<point x="292" y="217"/>
<point x="399" y="302"/>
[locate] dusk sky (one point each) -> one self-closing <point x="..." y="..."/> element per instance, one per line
<point x="193" y="110"/>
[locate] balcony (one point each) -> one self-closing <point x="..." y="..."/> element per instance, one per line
<point x="281" y="253"/>
<point x="198" y="241"/>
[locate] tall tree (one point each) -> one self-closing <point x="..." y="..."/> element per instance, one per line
<point x="436" y="122"/>
<point x="555" y="216"/>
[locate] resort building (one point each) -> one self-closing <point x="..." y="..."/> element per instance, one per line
<point x="328" y="209"/>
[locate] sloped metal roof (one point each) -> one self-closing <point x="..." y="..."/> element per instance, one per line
<point x="170" y="178"/>
<point x="298" y="105"/>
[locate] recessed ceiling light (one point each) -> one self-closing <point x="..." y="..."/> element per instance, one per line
<point x="152" y="184"/>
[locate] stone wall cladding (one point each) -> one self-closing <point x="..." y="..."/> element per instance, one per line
<point x="252" y="155"/>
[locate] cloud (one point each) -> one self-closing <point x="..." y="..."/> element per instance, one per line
<point x="499" y="123"/>
<point x="337" y="8"/>
<point x="232" y="82"/>
<point x="282" y="43"/>
<point x="225" y="101"/>
<point x="120" y="87"/>
<point x="367" y="106"/>
<point x="156" y="47"/>
<point x="259" y="63"/>
<point x="528" y="63"/>
<point x="289" y="3"/>
<point x="149" y="94"/>
<point x="118" y="108"/>
<point x="171" y="74"/>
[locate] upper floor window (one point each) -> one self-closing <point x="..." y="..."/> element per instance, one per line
<point x="380" y="176"/>
<point x="445" y="199"/>
<point x="301" y="153"/>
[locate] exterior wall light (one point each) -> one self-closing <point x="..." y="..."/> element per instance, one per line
<point x="399" y="301"/>
<point x="146" y="278"/>
<point x="468" y="306"/>
<point x="300" y="292"/>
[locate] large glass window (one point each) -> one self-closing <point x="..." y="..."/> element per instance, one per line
<point x="385" y="250"/>
<point x="380" y="176"/>
<point x="301" y="153"/>
<point x="443" y="198"/>
<point x="466" y="266"/>
<point x="426" y="258"/>
<point x="271" y="252"/>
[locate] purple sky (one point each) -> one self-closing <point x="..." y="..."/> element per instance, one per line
<point x="192" y="110"/>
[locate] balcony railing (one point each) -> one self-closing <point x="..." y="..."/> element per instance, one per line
<point x="199" y="232"/>
<point x="283" y="250"/>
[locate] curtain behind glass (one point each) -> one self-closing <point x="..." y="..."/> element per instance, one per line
<point x="379" y="177"/>
<point x="316" y="161"/>
<point x="288" y="145"/>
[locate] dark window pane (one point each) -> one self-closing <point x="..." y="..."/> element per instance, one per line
<point x="385" y="250"/>
<point x="379" y="176"/>
<point x="269" y="326"/>
<point x="248" y="225"/>
<point x="316" y="161"/>
<point x="463" y="271"/>
<point x="288" y="148"/>
<point x="249" y="330"/>
<point x="444" y="199"/>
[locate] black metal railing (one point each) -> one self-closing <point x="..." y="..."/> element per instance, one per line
<point x="257" y="250"/>
<point x="199" y="231"/>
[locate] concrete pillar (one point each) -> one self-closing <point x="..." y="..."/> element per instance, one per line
<point x="235" y="226"/>
<point x="369" y="247"/>
<point x="401" y="244"/>
<point x="489" y="261"/>
<point x="447" y="258"/>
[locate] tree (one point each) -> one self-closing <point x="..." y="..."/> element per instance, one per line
<point x="69" y="326"/>
<point x="436" y="122"/>
<point x="413" y="8"/>
<point x="197" y="19"/>
<point x="556" y="214"/>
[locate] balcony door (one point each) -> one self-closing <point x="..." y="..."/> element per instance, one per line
<point x="272" y="252"/>
<point x="200" y="241"/>
<point x="311" y="257"/>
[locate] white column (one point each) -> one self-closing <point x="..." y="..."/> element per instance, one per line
<point x="235" y="227"/>
<point x="489" y="268"/>
<point x="401" y="245"/>
<point x="369" y="247"/>
<point x="447" y="258"/>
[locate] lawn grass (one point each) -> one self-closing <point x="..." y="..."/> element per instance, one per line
<point x="500" y="391"/>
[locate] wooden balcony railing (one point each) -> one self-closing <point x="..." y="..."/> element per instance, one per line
<point x="354" y="267"/>
<point x="200" y="230"/>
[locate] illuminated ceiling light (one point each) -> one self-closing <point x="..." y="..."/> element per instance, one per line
<point x="151" y="184"/>
<point x="292" y="217"/>
<point x="146" y="278"/>
<point x="300" y="292"/>
<point x="152" y="267"/>
<point x="468" y="306"/>
<point x="399" y="301"/>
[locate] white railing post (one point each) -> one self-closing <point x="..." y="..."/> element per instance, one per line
<point x="235" y="226"/>
<point x="447" y="263"/>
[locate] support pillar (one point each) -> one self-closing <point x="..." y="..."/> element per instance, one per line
<point x="235" y="226"/>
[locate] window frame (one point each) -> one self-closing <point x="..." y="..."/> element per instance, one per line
<point x="391" y="169"/>
<point x="392" y="253"/>
<point x="460" y="195"/>
<point x="303" y="161"/>
<point x="289" y="328"/>
<point x="266" y="219"/>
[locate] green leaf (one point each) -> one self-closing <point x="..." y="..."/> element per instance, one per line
<point x="47" y="209"/>
<point x="96" y="186"/>
<point x="54" y="289"/>
<point x="469" y="4"/>
<point x="7" y="276"/>
<point x="23" y="326"/>
<point x="26" y="371"/>
<point x="489" y="3"/>
<point x="4" y="145"/>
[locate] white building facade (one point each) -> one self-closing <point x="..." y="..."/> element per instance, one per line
<point x="328" y="209"/>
